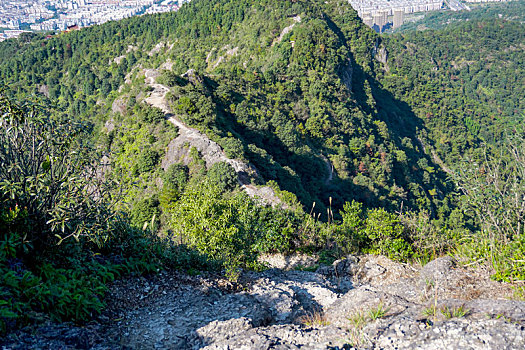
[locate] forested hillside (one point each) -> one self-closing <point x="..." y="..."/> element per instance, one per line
<point x="508" y="11"/>
<point x="299" y="104"/>
<point x="372" y="144"/>
<point x="466" y="82"/>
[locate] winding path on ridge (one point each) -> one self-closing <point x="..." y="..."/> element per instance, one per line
<point x="210" y="151"/>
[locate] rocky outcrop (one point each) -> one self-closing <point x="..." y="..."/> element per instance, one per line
<point x="159" y="47"/>
<point x="367" y="302"/>
<point x="347" y="74"/>
<point x="286" y="30"/>
<point x="228" y="52"/>
<point x="119" y="105"/>
<point x="381" y="55"/>
<point x="364" y="302"/>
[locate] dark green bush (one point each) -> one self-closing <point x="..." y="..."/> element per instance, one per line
<point x="385" y="235"/>
<point x="176" y="176"/>
<point x="48" y="169"/>
<point x="169" y="78"/>
<point x="222" y="228"/>
<point x="147" y="160"/>
<point x="150" y="114"/>
<point x="278" y="231"/>
<point x="223" y="175"/>
<point x="145" y="211"/>
<point x="349" y="236"/>
<point x="233" y="148"/>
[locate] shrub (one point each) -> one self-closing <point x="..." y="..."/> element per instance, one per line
<point x="150" y="114"/>
<point x="169" y="78"/>
<point x="278" y="231"/>
<point x="385" y="235"/>
<point x="147" y="160"/>
<point x="493" y="191"/>
<point x="223" y="175"/>
<point x="48" y="169"/>
<point x="145" y="211"/>
<point x="222" y="228"/>
<point x="233" y="148"/>
<point x="176" y="176"/>
<point x="348" y="235"/>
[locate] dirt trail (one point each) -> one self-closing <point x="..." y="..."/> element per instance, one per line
<point x="365" y="302"/>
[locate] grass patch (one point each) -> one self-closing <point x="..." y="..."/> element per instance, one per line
<point x="454" y="312"/>
<point x="377" y="312"/>
<point x="314" y="319"/>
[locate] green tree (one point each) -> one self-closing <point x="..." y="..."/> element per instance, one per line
<point x="147" y="160"/>
<point x="223" y="175"/>
<point x="48" y="171"/>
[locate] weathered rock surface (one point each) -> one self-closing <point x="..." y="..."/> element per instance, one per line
<point x="289" y="262"/>
<point x="364" y="302"/>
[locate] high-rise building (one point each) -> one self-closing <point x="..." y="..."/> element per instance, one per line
<point x="378" y="20"/>
<point x="399" y="17"/>
<point x="368" y="20"/>
<point x="384" y="14"/>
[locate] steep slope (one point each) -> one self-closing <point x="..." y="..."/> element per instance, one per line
<point x="179" y="148"/>
<point x="466" y="81"/>
<point x="286" y="86"/>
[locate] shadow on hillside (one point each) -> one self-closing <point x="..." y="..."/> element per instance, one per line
<point x="405" y="129"/>
<point x="280" y="154"/>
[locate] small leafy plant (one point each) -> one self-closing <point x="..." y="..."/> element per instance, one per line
<point x="358" y="320"/>
<point x="430" y="311"/>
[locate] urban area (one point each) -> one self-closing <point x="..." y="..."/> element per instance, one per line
<point x="382" y="15"/>
<point x="18" y="16"/>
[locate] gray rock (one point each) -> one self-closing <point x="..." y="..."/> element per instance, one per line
<point x="457" y="334"/>
<point x="288" y="262"/>
<point x="286" y="337"/>
<point x="438" y="270"/>
<point x="362" y="300"/>
<point x="221" y="331"/>
<point x="386" y="305"/>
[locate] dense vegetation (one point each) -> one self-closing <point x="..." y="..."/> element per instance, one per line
<point x="466" y="83"/>
<point x="393" y="145"/>
<point x="62" y="240"/>
<point x="509" y="11"/>
<point x="300" y="105"/>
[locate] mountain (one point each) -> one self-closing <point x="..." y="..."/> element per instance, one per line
<point x="288" y="87"/>
<point x="207" y="138"/>
<point x="465" y="81"/>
